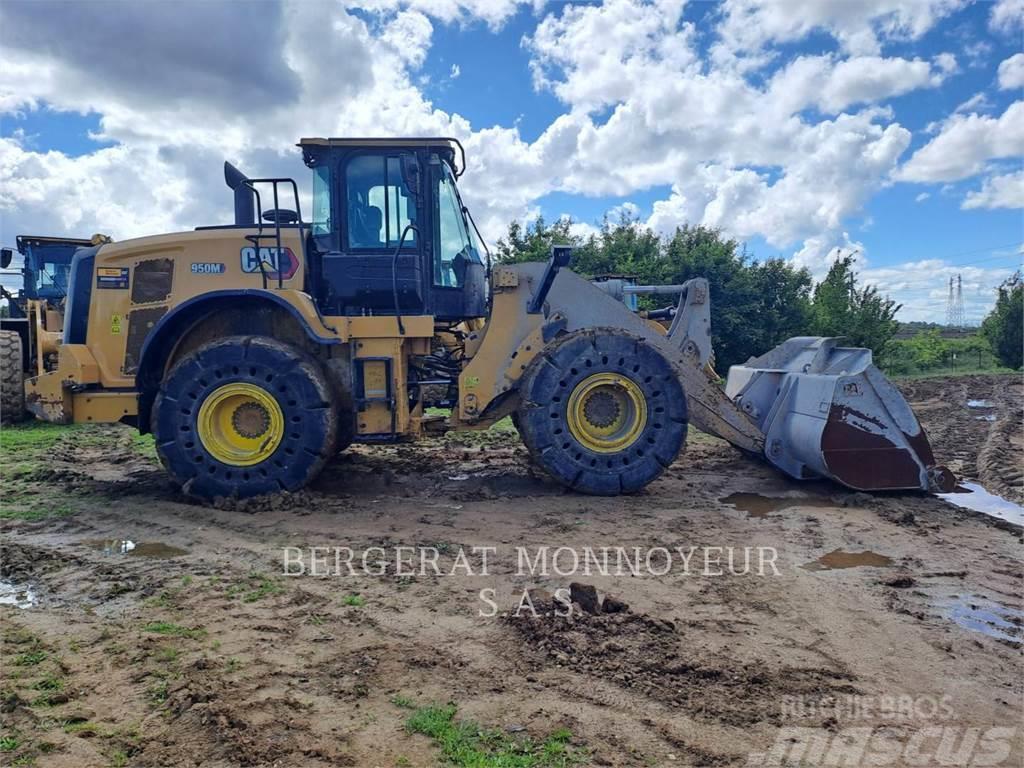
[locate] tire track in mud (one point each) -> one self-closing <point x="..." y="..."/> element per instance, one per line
<point x="984" y="443"/>
<point x="296" y="677"/>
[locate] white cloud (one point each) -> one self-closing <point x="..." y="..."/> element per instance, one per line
<point x="1011" y="72"/>
<point x="819" y="253"/>
<point x="790" y="158"/>
<point x="494" y="12"/>
<point x="1005" y="191"/>
<point x="977" y="52"/>
<point x="860" y="27"/>
<point x="1007" y="15"/>
<point x="456" y="70"/>
<point x="580" y="229"/>
<point x="965" y="144"/>
<point x="922" y="197"/>
<point x="922" y="287"/>
<point x="627" y="211"/>
<point x="833" y="85"/>
<point x="408" y="34"/>
<point x="593" y="56"/>
<point x="979" y="102"/>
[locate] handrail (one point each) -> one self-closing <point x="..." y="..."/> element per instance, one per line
<point x="255" y="239"/>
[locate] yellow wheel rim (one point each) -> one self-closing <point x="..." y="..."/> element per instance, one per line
<point x="240" y="424"/>
<point x="607" y="412"/>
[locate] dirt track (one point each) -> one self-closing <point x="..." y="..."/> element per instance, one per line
<point x="212" y="657"/>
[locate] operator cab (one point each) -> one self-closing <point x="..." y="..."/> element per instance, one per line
<point x="389" y="232"/>
<point x="47" y="261"/>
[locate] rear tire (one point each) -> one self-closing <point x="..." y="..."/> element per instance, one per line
<point x="602" y="412"/>
<point x="244" y="416"/>
<point x="12" y="379"/>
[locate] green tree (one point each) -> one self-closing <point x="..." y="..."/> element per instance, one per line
<point x="782" y="304"/>
<point x="533" y="242"/>
<point x="861" y="315"/>
<point x="927" y="349"/>
<point x="1004" y="326"/>
<point x="621" y="248"/>
<point x="754" y="306"/>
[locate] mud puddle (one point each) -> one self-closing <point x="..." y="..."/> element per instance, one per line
<point x="980" y="404"/>
<point x="838" y="559"/>
<point x="152" y="549"/>
<point x="988" y="617"/>
<point x="972" y="496"/>
<point x="757" y="505"/>
<point x="18" y="595"/>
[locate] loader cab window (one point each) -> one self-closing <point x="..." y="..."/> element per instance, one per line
<point x="51" y="278"/>
<point x="321" y="223"/>
<point x="378" y="203"/>
<point x="454" y="245"/>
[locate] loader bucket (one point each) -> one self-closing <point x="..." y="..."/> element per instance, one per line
<point x="827" y="411"/>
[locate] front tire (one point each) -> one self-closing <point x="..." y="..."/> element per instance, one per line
<point x="12" y="379"/>
<point x="602" y="412"/>
<point x="244" y="416"/>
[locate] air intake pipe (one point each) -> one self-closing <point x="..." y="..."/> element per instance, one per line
<point x="245" y="212"/>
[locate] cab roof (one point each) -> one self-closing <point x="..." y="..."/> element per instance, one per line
<point x="432" y="141"/>
<point x="446" y="142"/>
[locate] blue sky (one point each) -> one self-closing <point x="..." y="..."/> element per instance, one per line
<point x="494" y="86"/>
<point x="797" y="126"/>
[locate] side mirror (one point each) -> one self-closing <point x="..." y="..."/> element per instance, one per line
<point x="6" y="254"/>
<point x="561" y="255"/>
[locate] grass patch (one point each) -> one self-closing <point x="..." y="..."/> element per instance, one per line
<point x="945" y="374"/>
<point x="34" y="511"/>
<point x="83" y="728"/>
<point x="354" y="600"/>
<point x="49" y="683"/>
<point x="255" y="586"/>
<point x="30" y="659"/>
<point x="158" y="692"/>
<point x="167" y="655"/>
<point x="173" y="630"/>
<point x="144" y="446"/>
<point x="32" y="436"/>
<point x="403" y="701"/>
<point x="9" y="743"/>
<point x="465" y="743"/>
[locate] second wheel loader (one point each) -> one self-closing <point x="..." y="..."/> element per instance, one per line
<point x="255" y="351"/>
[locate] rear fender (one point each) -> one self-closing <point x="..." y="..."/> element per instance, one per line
<point x="163" y="342"/>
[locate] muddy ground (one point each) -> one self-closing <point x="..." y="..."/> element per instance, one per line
<point x="889" y="615"/>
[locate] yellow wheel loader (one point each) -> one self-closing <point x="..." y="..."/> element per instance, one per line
<point x="255" y="351"/>
<point x="31" y="329"/>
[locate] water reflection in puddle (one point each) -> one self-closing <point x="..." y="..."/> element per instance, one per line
<point x="756" y="505"/>
<point x="16" y="595"/>
<point x="986" y="417"/>
<point x="152" y="549"/>
<point x="979" y="614"/>
<point x="837" y="559"/>
<point x="980" y="404"/>
<point x="972" y="496"/>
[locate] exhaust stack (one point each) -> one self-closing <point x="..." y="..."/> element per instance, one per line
<point x="245" y="209"/>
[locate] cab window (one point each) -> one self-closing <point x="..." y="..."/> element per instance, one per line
<point x="453" y="238"/>
<point x="379" y="207"/>
<point x="321" y="224"/>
